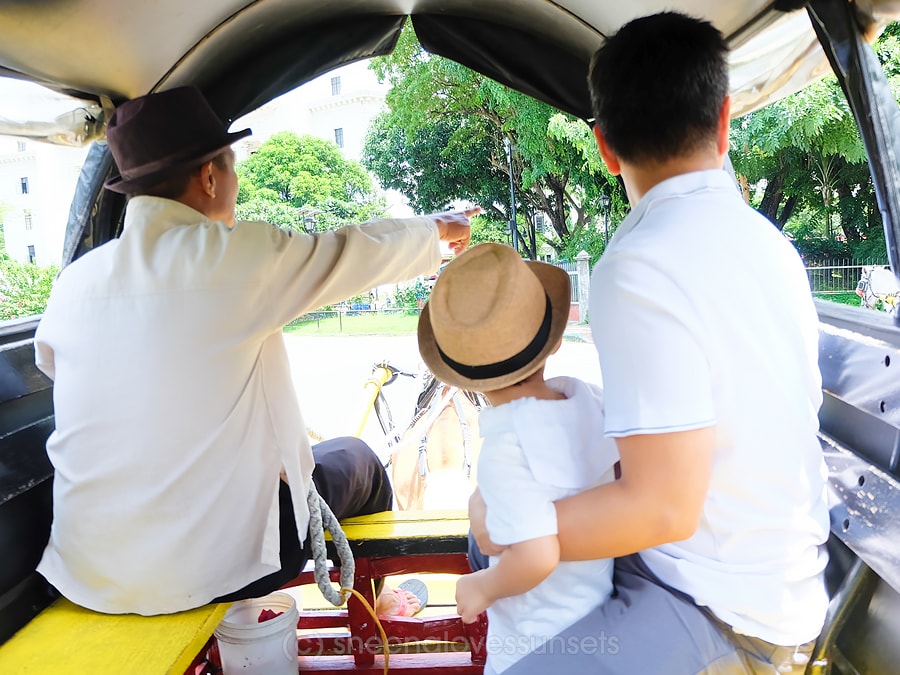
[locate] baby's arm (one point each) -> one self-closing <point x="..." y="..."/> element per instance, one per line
<point x="521" y="567"/>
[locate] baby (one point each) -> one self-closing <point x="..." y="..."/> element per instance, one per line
<point x="490" y="325"/>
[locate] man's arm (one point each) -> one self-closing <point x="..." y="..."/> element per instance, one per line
<point x="659" y="498"/>
<point x="44" y="356"/>
<point x="44" y="360"/>
<point x="305" y="272"/>
<point x="521" y="567"/>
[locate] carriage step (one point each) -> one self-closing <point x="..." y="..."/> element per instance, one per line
<point x="66" y="638"/>
<point x="446" y="663"/>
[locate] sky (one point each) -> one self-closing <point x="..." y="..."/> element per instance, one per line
<point x="24" y="101"/>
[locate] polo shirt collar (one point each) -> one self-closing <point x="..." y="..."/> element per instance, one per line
<point x="683" y="184"/>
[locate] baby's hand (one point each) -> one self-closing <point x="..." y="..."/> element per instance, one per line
<point x="471" y="600"/>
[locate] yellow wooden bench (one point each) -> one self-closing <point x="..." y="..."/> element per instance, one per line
<point x="408" y="532"/>
<point x="66" y="638"/>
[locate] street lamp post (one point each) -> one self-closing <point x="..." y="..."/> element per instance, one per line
<point x="604" y="207"/>
<point x="309" y="216"/>
<point x="513" y="230"/>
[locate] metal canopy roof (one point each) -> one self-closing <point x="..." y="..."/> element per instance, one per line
<point x="246" y="53"/>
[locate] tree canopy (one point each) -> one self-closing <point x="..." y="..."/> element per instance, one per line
<point x="801" y="162"/>
<point x="443" y="140"/>
<point x="298" y="181"/>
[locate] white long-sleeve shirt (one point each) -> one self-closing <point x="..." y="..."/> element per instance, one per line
<point x="174" y="404"/>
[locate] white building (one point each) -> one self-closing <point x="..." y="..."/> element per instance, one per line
<point x="37" y="180"/>
<point x="37" y="183"/>
<point x="338" y="107"/>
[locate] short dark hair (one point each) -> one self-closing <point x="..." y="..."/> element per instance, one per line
<point x="657" y="87"/>
<point x="175" y="185"/>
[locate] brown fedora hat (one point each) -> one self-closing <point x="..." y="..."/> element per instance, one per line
<point x="493" y="318"/>
<point x="153" y="135"/>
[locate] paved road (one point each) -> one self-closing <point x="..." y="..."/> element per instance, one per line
<point x="329" y="374"/>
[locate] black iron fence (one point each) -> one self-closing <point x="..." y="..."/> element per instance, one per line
<point x="837" y="276"/>
<point x="572" y="269"/>
<point x="827" y="278"/>
<point x="357" y="319"/>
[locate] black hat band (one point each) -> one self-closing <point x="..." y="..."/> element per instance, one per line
<point x="513" y="363"/>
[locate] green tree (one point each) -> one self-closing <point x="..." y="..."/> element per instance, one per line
<point x="24" y="288"/>
<point x="413" y="295"/>
<point x="485" y="230"/>
<point x="801" y="162"/>
<point x="294" y="181"/>
<point x="4" y="209"/>
<point x="442" y="140"/>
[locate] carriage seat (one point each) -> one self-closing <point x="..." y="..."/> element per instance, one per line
<point x="66" y="638"/>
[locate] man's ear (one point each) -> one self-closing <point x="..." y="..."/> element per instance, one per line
<point x="208" y="179"/>
<point x="606" y="154"/>
<point x="723" y="143"/>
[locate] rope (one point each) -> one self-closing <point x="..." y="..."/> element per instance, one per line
<point x="322" y="518"/>
<point x="385" y="648"/>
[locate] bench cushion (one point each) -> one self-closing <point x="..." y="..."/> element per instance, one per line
<point x="66" y="638"/>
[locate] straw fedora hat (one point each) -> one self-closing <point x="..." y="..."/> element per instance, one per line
<point x="493" y="318"/>
<point x="151" y="136"/>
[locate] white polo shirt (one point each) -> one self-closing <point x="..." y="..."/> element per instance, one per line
<point x="174" y="404"/>
<point x="702" y="316"/>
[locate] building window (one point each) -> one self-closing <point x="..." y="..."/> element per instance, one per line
<point x="335" y="85"/>
<point x="27" y="220"/>
<point x="31" y="253"/>
<point x="339" y="137"/>
<point x="23" y="181"/>
<point x="21" y="146"/>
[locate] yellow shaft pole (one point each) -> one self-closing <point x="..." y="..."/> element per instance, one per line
<point x="372" y="387"/>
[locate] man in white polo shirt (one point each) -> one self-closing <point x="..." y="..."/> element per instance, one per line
<point x="708" y="344"/>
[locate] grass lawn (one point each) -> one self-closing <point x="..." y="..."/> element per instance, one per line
<point x="356" y="324"/>
<point x="403" y="323"/>
<point x="841" y="298"/>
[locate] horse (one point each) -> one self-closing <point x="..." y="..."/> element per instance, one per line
<point x="878" y="288"/>
<point x="433" y="466"/>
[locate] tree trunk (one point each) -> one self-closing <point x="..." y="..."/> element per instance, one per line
<point x="772" y="198"/>
<point x="851" y="233"/>
<point x="745" y="187"/>
<point x="786" y="212"/>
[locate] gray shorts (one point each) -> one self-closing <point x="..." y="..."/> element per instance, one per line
<point x="648" y="628"/>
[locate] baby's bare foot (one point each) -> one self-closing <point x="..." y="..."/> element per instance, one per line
<point x="396" y="602"/>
